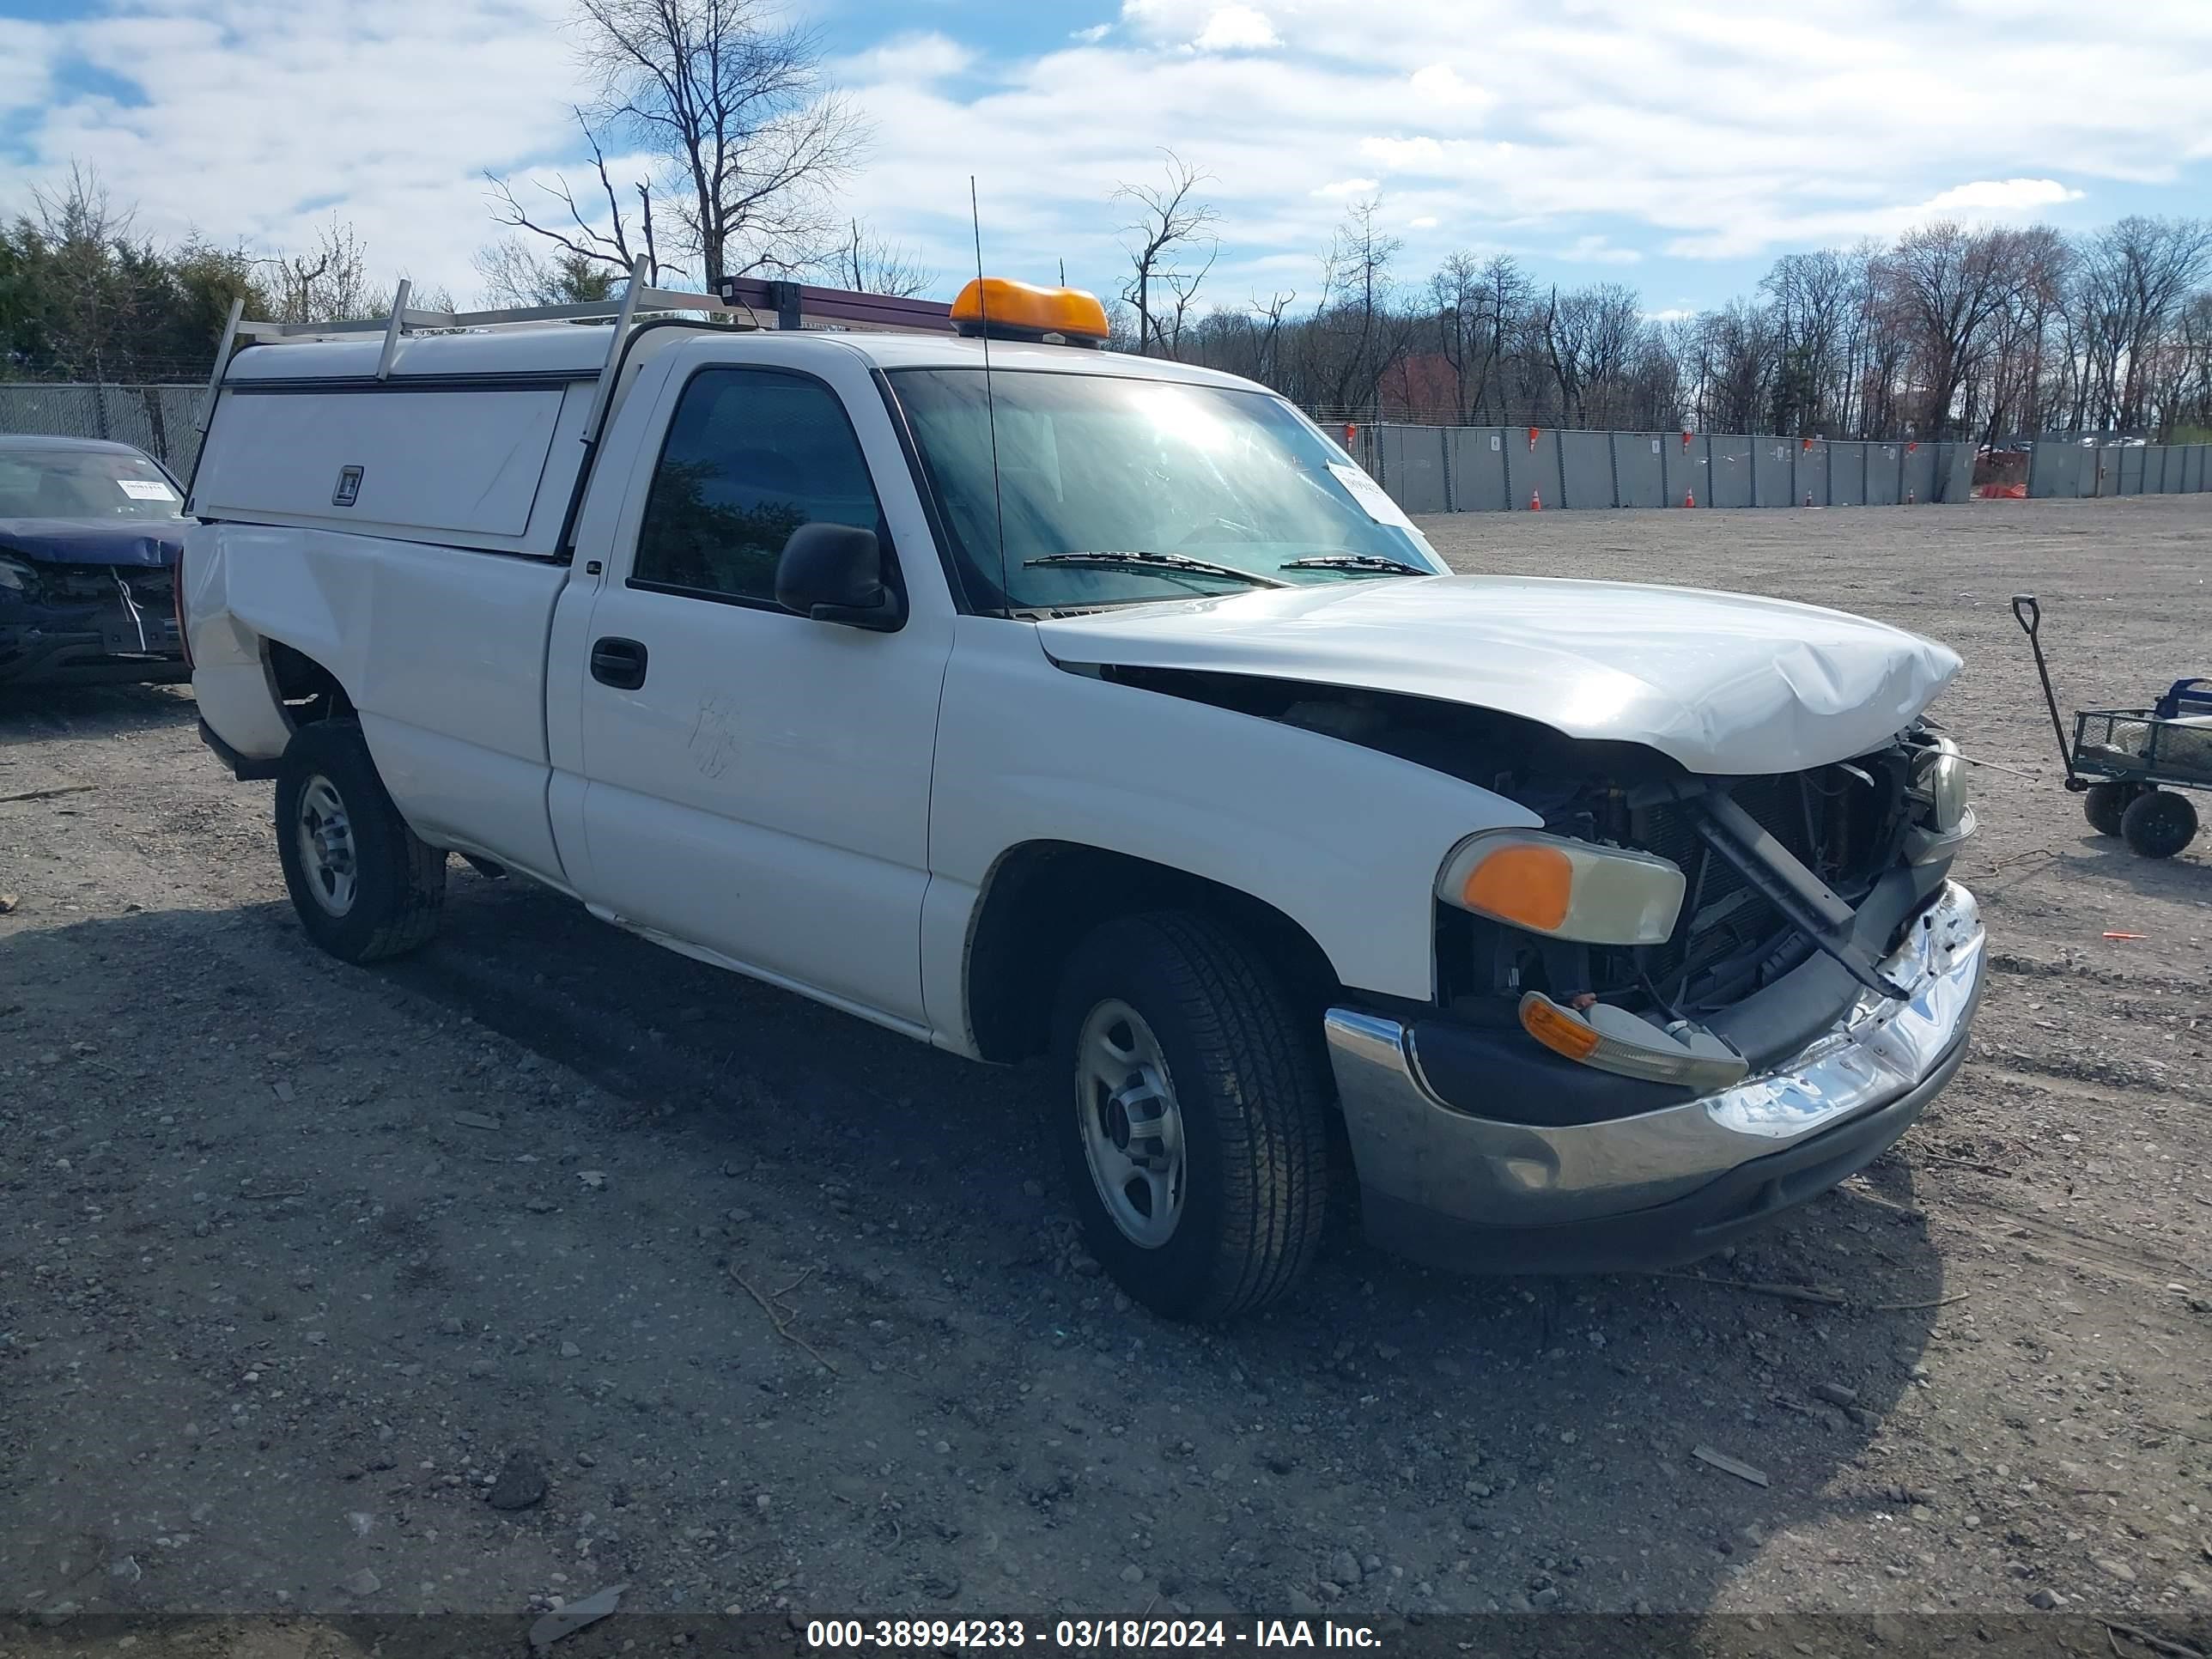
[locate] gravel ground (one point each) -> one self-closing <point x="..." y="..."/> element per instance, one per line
<point x="548" y="1261"/>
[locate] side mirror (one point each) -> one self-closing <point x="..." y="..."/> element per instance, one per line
<point x="834" y="572"/>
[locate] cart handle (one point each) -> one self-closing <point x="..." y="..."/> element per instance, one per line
<point x="2029" y="615"/>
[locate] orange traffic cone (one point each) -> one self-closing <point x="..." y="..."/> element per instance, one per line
<point x="1689" y="498"/>
<point x="1535" y="502"/>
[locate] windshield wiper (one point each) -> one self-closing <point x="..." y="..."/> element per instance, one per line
<point x="1160" y="562"/>
<point x="1357" y="561"/>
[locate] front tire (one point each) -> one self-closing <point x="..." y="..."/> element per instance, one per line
<point x="365" y="886"/>
<point x="1197" y="1151"/>
<point x="2159" y="824"/>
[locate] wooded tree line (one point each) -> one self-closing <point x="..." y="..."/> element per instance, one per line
<point x="1946" y="331"/>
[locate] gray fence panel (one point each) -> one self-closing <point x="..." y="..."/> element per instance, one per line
<point x="2108" y="469"/>
<point x="1885" y="474"/>
<point x="1478" y="469"/>
<point x="1847" y="465"/>
<point x="1413" y="467"/>
<point x="1532" y="468"/>
<point x="1639" y="467"/>
<point x="2169" y="468"/>
<point x="2054" y="471"/>
<point x="1813" y="473"/>
<point x="1687" y="466"/>
<point x="1729" y="455"/>
<point x="1917" y="472"/>
<point x="2131" y="470"/>
<point x="1959" y="472"/>
<point x="2089" y="479"/>
<point x="1586" y="469"/>
<point x="1773" y="473"/>
<point x="2192" y="469"/>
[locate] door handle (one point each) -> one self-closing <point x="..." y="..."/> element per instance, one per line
<point x="618" y="663"/>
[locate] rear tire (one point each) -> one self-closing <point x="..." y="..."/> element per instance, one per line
<point x="365" y="886"/>
<point x="2159" y="824"/>
<point x="1197" y="1151"/>
<point x="2105" y="803"/>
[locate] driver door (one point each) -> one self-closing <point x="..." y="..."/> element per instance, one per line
<point x="757" y="783"/>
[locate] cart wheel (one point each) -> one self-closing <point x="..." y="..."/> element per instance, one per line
<point x="2159" y="824"/>
<point x="2105" y="803"/>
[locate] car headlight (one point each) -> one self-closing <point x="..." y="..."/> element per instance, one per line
<point x="1940" y="775"/>
<point x="1564" y="889"/>
<point x="18" y="576"/>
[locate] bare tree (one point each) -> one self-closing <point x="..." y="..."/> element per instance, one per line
<point x="732" y="100"/>
<point x="514" y="274"/>
<point x="1171" y="220"/>
<point x="872" y="264"/>
<point x="327" y="283"/>
<point x="1944" y="287"/>
<point x="1455" y="288"/>
<point x="587" y="241"/>
<point x="1359" y="329"/>
<point x="2147" y="268"/>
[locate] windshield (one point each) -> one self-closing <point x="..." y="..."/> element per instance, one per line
<point x="83" y="483"/>
<point x="1116" y="490"/>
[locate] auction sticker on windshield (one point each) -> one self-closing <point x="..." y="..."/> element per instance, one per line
<point x="146" y="490"/>
<point x="1370" y="495"/>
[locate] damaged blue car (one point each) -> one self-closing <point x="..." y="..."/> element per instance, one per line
<point x="90" y="534"/>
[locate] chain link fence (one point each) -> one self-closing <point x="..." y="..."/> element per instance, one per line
<point x="161" y="420"/>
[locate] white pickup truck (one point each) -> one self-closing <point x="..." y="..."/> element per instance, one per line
<point x="1034" y="699"/>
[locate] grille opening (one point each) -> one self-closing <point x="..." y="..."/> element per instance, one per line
<point x="1843" y="822"/>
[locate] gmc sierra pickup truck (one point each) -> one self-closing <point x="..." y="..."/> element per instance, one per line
<point x="1036" y="700"/>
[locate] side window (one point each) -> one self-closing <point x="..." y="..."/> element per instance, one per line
<point x="751" y="455"/>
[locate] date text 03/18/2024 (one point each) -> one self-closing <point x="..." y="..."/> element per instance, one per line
<point x="1085" y="1633"/>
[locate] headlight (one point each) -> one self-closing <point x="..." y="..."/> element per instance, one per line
<point x="1564" y="889"/>
<point x="1939" y="774"/>
<point x="18" y="576"/>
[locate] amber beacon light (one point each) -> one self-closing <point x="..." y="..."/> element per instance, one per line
<point x="1023" y="311"/>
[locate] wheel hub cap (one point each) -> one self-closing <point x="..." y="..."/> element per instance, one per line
<point x="327" y="848"/>
<point x="1132" y="1128"/>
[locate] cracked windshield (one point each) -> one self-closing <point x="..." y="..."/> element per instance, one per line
<point x="1113" y="490"/>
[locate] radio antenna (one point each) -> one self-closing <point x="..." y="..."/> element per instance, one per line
<point x="990" y="401"/>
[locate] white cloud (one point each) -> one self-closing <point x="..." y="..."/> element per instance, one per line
<point x="1093" y="35"/>
<point x="2001" y="196"/>
<point x="1442" y="84"/>
<point x="1671" y="314"/>
<point x="913" y="58"/>
<point x="1597" y="250"/>
<point x="1426" y="222"/>
<point x="1346" y="187"/>
<point x="1237" y="29"/>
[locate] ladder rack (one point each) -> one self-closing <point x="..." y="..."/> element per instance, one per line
<point x="741" y="302"/>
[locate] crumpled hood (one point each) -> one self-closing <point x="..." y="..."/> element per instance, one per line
<point x="94" y="541"/>
<point x="1725" y="683"/>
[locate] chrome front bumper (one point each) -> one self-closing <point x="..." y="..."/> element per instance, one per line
<point x="1426" y="1157"/>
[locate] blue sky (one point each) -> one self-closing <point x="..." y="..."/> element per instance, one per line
<point x="1676" y="147"/>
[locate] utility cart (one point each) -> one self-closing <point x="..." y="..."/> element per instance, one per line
<point x="2126" y="764"/>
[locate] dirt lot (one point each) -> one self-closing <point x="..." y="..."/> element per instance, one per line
<point x="294" y="1257"/>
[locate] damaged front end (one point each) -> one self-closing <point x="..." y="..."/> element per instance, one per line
<point x="1759" y="876"/>
<point x="80" y="622"/>
<point x="1673" y="1008"/>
